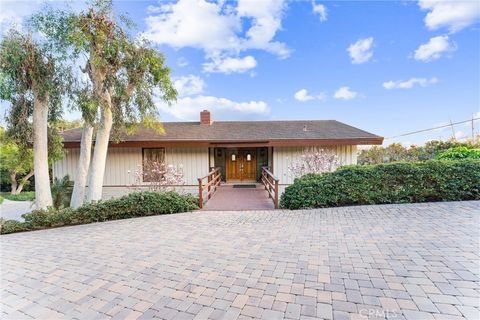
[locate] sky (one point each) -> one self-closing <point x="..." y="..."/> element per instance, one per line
<point x="388" y="67"/>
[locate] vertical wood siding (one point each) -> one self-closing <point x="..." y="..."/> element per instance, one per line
<point x="123" y="162"/>
<point x="194" y="162"/>
<point x="284" y="156"/>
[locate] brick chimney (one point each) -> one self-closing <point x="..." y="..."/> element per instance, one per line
<point x="205" y="117"/>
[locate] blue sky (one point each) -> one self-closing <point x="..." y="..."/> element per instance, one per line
<point x="384" y="66"/>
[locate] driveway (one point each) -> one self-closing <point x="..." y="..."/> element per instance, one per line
<point x="418" y="261"/>
<point x="13" y="210"/>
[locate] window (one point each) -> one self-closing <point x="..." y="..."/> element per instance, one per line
<point x="153" y="164"/>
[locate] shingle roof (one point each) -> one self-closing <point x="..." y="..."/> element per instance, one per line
<point x="252" y="131"/>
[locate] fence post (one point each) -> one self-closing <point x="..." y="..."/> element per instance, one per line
<point x="200" y="193"/>
<point x="209" y="179"/>
<point x="276" y="194"/>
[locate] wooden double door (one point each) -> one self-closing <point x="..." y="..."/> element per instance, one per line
<point x="241" y="165"/>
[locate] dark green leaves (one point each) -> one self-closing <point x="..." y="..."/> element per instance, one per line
<point x="400" y="182"/>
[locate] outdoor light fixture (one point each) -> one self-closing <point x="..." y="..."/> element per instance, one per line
<point x="249" y="157"/>
<point x="233" y="157"/>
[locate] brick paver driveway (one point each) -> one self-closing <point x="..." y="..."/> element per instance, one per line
<point x="416" y="261"/>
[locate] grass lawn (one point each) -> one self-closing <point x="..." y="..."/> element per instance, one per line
<point x="23" y="196"/>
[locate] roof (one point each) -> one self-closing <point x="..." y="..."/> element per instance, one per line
<point x="296" y="132"/>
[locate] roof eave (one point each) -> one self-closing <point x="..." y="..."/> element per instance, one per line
<point x="239" y="143"/>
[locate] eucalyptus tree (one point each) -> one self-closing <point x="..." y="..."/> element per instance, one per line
<point x="88" y="106"/>
<point x="33" y="81"/>
<point x="123" y="72"/>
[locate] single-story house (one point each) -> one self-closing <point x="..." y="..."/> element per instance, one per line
<point x="239" y="148"/>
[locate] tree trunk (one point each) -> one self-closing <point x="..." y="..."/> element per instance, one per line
<point x="23" y="182"/>
<point x="43" y="194"/>
<point x="97" y="168"/>
<point x="78" y="194"/>
<point x="13" y="182"/>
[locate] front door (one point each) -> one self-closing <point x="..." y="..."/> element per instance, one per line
<point x="241" y="165"/>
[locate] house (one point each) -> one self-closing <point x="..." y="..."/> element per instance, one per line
<point x="239" y="148"/>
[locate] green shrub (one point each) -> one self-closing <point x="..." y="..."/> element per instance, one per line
<point x="11" y="226"/>
<point x="62" y="192"/>
<point x="399" y="182"/>
<point x="23" y="196"/>
<point x="136" y="204"/>
<point x="1" y="199"/>
<point x="459" y="153"/>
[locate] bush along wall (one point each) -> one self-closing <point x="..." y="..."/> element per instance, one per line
<point x="401" y="182"/>
<point x="136" y="204"/>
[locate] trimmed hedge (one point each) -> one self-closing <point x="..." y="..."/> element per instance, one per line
<point x="138" y="204"/>
<point x="401" y="182"/>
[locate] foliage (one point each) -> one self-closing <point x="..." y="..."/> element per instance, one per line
<point x="458" y="153"/>
<point x="396" y="152"/>
<point x="138" y="204"/>
<point x="315" y="161"/>
<point x="24" y="196"/>
<point x="61" y="192"/>
<point x="63" y="124"/>
<point x="122" y="72"/>
<point x="400" y="182"/>
<point x="16" y="161"/>
<point x="158" y="176"/>
<point x="30" y="70"/>
<point x="1" y="199"/>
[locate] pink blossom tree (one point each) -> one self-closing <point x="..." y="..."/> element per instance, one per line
<point x="158" y="176"/>
<point x="314" y="161"/>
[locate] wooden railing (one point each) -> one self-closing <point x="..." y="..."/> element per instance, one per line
<point x="213" y="181"/>
<point x="271" y="185"/>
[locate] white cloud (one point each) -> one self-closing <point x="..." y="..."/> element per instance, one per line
<point x="345" y="93"/>
<point x="303" y="96"/>
<point x="408" y="84"/>
<point x="218" y="28"/>
<point x="182" y="62"/>
<point x="322" y="96"/>
<point x="454" y="15"/>
<point x="321" y="10"/>
<point x="434" y="49"/>
<point x="361" y="51"/>
<point x="189" y="85"/>
<point x="188" y="108"/>
<point x="230" y="65"/>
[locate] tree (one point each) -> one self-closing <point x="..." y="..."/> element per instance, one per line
<point x="33" y="81"/>
<point x="123" y="74"/>
<point x="16" y="162"/>
<point x="160" y="176"/>
<point x="373" y="155"/>
<point x="63" y="124"/>
<point x="315" y="161"/>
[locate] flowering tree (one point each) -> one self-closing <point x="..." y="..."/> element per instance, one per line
<point x="315" y="161"/>
<point x="159" y="176"/>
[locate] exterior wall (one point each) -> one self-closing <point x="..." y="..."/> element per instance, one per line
<point x="123" y="162"/>
<point x="284" y="156"/>
<point x="194" y="161"/>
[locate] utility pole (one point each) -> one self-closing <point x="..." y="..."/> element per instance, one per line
<point x="453" y="130"/>
<point x="473" y="131"/>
